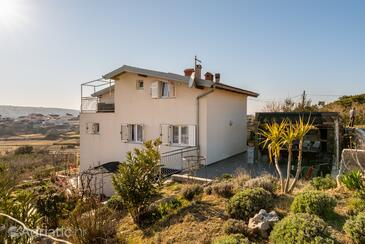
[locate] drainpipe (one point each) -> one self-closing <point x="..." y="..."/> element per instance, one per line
<point x="198" y="112"/>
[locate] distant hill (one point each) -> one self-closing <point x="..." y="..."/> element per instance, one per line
<point x="16" y="111"/>
<point x="343" y="105"/>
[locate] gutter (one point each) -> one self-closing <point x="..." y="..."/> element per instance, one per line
<point x="198" y="112"/>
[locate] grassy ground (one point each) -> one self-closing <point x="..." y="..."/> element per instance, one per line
<point x="203" y="221"/>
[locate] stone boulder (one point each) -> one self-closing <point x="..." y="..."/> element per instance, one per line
<point x="263" y="222"/>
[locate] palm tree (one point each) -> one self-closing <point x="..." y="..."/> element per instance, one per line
<point x="290" y="134"/>
<point x="273" y="134"/>
<point x="302" y="129"/>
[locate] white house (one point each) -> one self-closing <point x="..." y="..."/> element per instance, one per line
<point x="187" y="112"/>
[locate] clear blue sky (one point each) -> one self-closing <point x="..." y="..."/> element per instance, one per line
<point x="276" y="48"/>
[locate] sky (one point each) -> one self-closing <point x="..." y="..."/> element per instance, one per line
<point x="276" y="48"/>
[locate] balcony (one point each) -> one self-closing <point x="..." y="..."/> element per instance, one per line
<point x="97" y="96"/>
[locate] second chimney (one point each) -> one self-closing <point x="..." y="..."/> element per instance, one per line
<point x="198" y="71"/>
<point x="208" y="76"/>
<point x="217" y="77"/>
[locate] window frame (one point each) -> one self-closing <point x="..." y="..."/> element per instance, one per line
<point x="167" y="85"/>
<point x="90" y="128"/>
<point x="138" y="87"/>
<point x="134" y="135"/>
<point x="180" y="138"/>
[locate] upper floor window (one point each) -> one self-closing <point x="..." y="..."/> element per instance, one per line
<point x="140" y="85"/>
<point x="163" y="89"/>
<point x="92" y="128"/>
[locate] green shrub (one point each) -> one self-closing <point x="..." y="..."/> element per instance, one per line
<point x="235" y="226"/>
<point x="208" y="190"/>
<point x="116" y="203"/>
<point x="223" y="189"/>
<point x="353" y="180"/>
<point x="267" y="182"/>
<point x="313" y="202"/>
<point x="138" y="180"/>
<point x="193" y="192"/>
<point x="23" y="150"/>
<point x="323" y="183"/>
<point x="231" y="239"/>
<point x="355" y="228"/>
<point x="225" y="176"/>
<point x="355" y="205"/>
<point x="248" y="202"/>
<point x="301" y="228"/>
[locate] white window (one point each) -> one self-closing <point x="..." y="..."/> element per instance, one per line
<point x="140" y="85"/>
<point x="183" y="135"/>
<point x="132" y="133"/>
<point x="92" y="128"/>
<point x="136" y="133"/>
<point x="162" y="89"/>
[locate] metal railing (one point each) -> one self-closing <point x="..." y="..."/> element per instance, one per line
<point x="174" y="159"/>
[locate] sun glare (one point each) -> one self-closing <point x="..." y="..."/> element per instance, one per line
<point x="10" y="13"/>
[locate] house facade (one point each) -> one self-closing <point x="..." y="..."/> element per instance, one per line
<point x="184" y="111"/>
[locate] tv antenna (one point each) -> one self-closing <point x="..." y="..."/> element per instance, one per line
<point x="196" y="61"/>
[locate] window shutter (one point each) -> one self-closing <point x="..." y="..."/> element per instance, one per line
<point x="192" y="137"/>
<point x="171" y="89"/>
<point x="166" y="134"/>
<point x="155" y="89"/>
<point x="125" y="132"/>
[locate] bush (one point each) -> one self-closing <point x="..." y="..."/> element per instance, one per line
<point x="356" y="205"/>
<point x="138" y="180"/>
<point x="313" y="202"/>
<point x="23" y="150"/>
<point x="355" y="228"/>
<point x="193" y="192"/>
<point x="208" y="190"/>
<point x="225" y="177"/>
<point x="115" y="203"/>
<point x="223" y="189"/>
<point x="93" y="223"/>
<point x="267" y="182"/>
<point x="234" y="226"/>
<point x="301" y="228"/>
<point x="231" y="239"/>
<point x="248" y="202"/>
<point x="353" y="181"/>
<point x="323" y="183"/>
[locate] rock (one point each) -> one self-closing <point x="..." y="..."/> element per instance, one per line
<point x="263" y="221"/>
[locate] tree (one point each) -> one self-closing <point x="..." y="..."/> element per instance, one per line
<point x="302" y="128"/>
<point x="273" y="134"/>
<point x="290" y="134"/>
<point x="138" y="179"/>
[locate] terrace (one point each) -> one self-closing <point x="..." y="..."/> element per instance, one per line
<point x="97" y="96"/>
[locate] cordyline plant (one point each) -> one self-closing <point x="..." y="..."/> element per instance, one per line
<point x="138" y="180"/>
<point x="280" y="135"/>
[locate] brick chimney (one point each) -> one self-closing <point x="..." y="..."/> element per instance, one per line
<point x="198" y="71"/>
<point x="217" y="77"/>
<point x="208" y="76"/>
<point x="188" y="71"/>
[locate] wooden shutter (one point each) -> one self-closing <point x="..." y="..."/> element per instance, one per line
<point x="155" y="89"/>
<point x="192" y="135"/>
<point x="171" y="89"/>
<point x="124" y="132"/>
<point x="166" y="134"/>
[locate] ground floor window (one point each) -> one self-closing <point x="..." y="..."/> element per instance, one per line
<point x="180" y="135"/>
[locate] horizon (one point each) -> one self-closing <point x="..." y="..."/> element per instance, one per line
<point x="276" y="49"/>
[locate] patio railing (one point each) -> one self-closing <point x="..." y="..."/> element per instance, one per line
<point x="174" y="159"/>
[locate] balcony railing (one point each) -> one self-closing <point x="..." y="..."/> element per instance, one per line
<point x="92" y="105"/>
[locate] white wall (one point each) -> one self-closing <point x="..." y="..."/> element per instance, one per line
<point x="226" y="125"/>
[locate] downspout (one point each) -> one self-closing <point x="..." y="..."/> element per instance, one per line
<point x="198" y="112"/>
